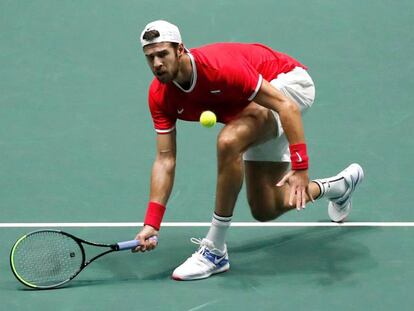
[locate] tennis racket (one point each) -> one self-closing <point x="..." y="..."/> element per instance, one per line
<point x="50" y="258"/>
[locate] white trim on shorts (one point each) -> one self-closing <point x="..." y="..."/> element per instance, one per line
<point x="298" y="86"/>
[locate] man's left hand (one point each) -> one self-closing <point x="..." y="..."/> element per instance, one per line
<point x="298" y="182"/>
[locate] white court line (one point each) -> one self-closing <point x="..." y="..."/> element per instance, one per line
<point x="206" y="224"/>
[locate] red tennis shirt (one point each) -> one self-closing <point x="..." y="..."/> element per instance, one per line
<point x="226" y="78"/>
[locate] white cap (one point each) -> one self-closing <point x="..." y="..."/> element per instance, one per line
<point x="168" y="32"/>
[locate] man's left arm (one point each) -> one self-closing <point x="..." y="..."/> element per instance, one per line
<point x="291" y="120"/>
<point x="289" y="113"/>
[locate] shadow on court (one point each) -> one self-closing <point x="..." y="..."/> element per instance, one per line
<point x="322" y="256"/>
<point x="326" y="255"/>
<point x="107" y="273"/>
<point x="131" y="269"/>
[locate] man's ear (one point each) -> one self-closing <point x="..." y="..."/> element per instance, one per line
<point x="180" y="49"/>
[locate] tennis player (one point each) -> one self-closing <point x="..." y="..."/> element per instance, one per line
<point x="260" y="95"/>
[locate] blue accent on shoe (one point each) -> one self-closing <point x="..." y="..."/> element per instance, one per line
<point x="219" y="261"/>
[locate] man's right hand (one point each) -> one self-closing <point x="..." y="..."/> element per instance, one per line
<point x="143" y="237"/>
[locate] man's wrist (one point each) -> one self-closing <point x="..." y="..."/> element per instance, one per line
<point x="299" y="156"/>
<point x="155" y="213"/>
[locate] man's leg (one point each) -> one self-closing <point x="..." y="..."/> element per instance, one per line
<point x="266" y="200"/>
<point x="254" y="125"/>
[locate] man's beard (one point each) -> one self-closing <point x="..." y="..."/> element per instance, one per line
<point x="167" y="77"/>
<point x="172" y="76"/>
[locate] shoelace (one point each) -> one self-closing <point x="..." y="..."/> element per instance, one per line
<point x="203" y="246"/>
<point x="203" y="255"/>
<point x="199" y="242"/>
<point x="196" y="241"/>
<point x="198" y="255"/>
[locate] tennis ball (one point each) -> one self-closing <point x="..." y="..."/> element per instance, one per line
<point x="208" y="119"/>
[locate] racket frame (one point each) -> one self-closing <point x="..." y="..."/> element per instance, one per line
<point x="79" y="241"/>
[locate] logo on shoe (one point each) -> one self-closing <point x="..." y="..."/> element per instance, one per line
<point x="217" y="260"/>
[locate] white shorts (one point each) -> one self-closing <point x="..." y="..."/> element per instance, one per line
<point x="298" y="86"/>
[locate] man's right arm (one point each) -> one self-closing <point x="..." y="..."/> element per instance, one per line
<point x="162" y="181"/>
<point x="163" y="169"/>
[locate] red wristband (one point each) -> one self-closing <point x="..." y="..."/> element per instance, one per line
<point x="154" y="215"/>
<point x="299" y="157"/>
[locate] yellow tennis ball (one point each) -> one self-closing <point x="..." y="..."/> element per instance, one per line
<point x="208" y="119"/>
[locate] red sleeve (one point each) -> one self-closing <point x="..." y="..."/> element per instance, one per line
<point x="163" y="121"/>
<point x="241" y="76"/>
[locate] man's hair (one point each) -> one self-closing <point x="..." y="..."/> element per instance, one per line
<point x="151" y="35"/>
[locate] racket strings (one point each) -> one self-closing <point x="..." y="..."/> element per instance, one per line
<point x="47" y="258"/>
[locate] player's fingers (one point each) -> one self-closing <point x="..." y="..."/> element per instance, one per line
<point x="144" y="246"/>
<point x="309" y="195"/>
<point x="298" y="199"/>
<point x="284" y="179"/>
<point x="292" y="195"/>
<point x="136" y="249"/>
<point x="141" y="246"/>
<point x="154" y="243"/>
<point x="303" y="198"/>
<point x="150" y="245"/>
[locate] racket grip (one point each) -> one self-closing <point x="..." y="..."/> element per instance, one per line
<point x="133" y="243"/>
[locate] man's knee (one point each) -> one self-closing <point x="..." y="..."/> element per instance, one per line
<point x="265" y="212"/>
<point x="227" y="143"/>
<point x="263" y="217"/>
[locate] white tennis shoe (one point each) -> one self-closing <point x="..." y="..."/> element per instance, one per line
<point x="207" y="260"/>
<point x="339" y="208"/>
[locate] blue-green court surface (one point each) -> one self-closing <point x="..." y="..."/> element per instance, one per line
<point x="77" y="145"/>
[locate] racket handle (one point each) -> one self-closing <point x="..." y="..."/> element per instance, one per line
<point x="133" y="243"/>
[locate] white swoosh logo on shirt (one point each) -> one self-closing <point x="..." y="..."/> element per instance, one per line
<point x="180" y="111"/>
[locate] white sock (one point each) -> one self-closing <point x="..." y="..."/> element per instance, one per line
<point x="218" y="230"/>
<point x="332" y="187"/>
